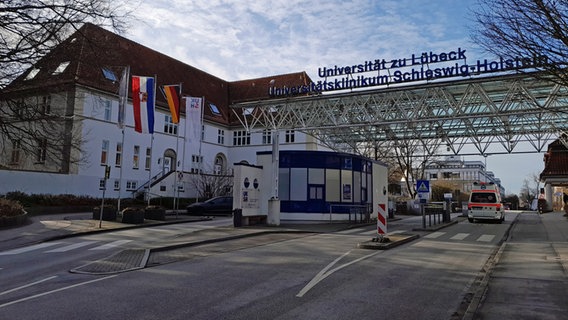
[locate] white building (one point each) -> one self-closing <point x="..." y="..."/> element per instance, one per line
<point x="68" y="104"/>
<point x="461" y="173"/>
<point x="76" y="87"/>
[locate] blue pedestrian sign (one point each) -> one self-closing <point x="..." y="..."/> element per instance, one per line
<point x="423" y="186"/>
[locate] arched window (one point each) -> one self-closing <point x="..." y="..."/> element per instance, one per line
<point x="219" y="166"/>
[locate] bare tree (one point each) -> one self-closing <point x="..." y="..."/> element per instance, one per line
<point x="530" y="188"/>
<point x="29" y="29"/>
<point x="212" y="184"/>
<point x="36" y="128"/>
<point x="407" y="158"/>
<point x="412" y="157"/>
<point x="526" y="28"/>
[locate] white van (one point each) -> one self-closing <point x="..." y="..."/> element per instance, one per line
<point x="485" y="203"/>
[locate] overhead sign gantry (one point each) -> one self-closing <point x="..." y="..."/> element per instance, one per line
<point x="480" y="108"/>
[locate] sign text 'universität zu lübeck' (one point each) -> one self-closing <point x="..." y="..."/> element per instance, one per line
<point x="426" y="66"/>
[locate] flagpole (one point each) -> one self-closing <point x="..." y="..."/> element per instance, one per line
<point x="152" y="140"/>
<point x="184" y="132"/>
<point x="120" y="176"/>
<point x="201" y="140"/>
<point x="176" y="172"/>
<point x="177" y="151"/>
<point x="123" y="100"/>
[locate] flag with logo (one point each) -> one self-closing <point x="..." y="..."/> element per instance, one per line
<point x="193" y="108"/>
<point x="123" y="96"/>
<point x="143" y="98"/>
<point x="172" y="94"/>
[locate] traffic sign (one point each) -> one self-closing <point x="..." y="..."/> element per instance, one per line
<point x="423" y="186"/>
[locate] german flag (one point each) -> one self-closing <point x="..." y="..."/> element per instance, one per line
<point x="172" y="94"/>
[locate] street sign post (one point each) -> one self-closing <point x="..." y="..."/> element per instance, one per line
<point x="423" y="187"/>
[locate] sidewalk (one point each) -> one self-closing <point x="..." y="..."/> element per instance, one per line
<point x="527" y="277"/>
<point x="42" y="228"/>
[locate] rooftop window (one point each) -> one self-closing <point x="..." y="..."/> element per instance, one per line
<point x="109" y="75"/>
<point x="214" y="109"/>
<point x="32" y="74"/>
<point x="62" y="66"/>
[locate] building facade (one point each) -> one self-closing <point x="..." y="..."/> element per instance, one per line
<point x="68" y="104"/>
<point x="461" y="173"/>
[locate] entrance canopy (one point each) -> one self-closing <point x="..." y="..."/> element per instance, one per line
<point x="507" y="111"/>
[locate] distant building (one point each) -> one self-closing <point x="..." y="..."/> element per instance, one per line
<point x="555" y="173"/>
<point x="461" y="173"/>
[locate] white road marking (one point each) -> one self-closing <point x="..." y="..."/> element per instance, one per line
<point x="54" y="291"/>
<point x="486" y="238"/>
<point x="349" y="231"/>
<point x="434" y="235"/>
<point x="324" y="273"/>
<point x="459" y="236"/>
<point x="111" y="245"/>
<point x="72" y="246"/>
<point x="27" y="285"/>
<point x="30" y="248"/>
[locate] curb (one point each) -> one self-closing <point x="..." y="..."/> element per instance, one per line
<point x="392" y="241"/>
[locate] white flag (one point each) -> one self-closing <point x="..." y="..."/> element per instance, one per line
<point x="123" y="96"/>
<point x="193" y="108"/>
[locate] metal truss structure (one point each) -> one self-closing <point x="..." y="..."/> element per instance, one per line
<point x="504" y="111"/>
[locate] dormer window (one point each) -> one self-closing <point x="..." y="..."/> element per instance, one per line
<point x="214" y="109"/>
<point x="61" y="68"/>
<point x="32" y="74"/>
<point x="109" y="75"/>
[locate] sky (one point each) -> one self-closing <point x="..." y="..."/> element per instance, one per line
<point x="245" y="39"/>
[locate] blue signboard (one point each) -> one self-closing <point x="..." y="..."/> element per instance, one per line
<point x="423" y="186"/>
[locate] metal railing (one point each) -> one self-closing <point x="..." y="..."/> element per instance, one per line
<point x="360" y="213"/>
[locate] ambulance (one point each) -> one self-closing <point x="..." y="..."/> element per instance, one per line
<point x="485" y="203"/>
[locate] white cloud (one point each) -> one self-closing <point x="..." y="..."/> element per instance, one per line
<point x="243" y="39"/>
<point x="235" y="40"/>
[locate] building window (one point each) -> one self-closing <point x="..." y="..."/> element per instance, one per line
<point x="104" y="152"/>
<point x="266" y="137"/>
<point x="62" y="66"/>
<point x="136" y="157"/>
<point x="169" y="126"/>
<point x="220" y="136"/>
<point x="290" y="136"/>
<point x="214" y="109"/>
<point x="118" y="158"/>
<point x="433" y="176"/>
<point x="131" y="185"/>
<point x="109" y="75"/>
<point x="219" y="164"/>
<point x="102" y="184"/>
<point x="202" y="133"/>
<point x="32" y="74"/>
<point x="116" y="184"/>
<point x="41" y="150"/>
<point x="241" y="138"/>
<point x="16" y="148"/>
<point x="196" y="163"/>
<point x="148" y="161"/>
<point x="45" y="106"/>
<point x="316" y="192"/>
<point x="108" y="110"/>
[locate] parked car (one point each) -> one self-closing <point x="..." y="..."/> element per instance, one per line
<point x="217" y="205"/>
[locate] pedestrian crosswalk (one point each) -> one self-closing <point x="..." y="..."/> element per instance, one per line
<point x="452" y="236"/>
<point x="461" y="236"/>
<point x="60" y="247"/>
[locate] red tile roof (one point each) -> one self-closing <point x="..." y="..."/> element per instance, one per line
<point x="92" y="48"/>
<point x="555" y="161"/>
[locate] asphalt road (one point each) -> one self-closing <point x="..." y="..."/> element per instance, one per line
<point x="269" y="276"/>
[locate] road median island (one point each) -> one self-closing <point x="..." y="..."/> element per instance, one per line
<point x="388" y="242"/>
